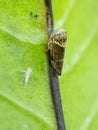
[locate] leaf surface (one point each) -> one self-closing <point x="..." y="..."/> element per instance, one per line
<point x="25" y="97"/>
<point x="79" y="82"/>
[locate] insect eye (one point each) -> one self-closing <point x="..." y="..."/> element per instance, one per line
<point x="63" y="39"/>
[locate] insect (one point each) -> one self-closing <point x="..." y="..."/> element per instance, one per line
<point x="56" y="46"/>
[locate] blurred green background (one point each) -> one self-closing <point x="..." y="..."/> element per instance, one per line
<point x="79" y="82"/>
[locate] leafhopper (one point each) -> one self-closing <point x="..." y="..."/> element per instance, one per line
<point x="56" y="46"/>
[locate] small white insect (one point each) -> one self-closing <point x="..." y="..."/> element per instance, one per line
<point x="27" y="75"/>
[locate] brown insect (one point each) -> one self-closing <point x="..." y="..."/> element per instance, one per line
<point x="56" y="46"/>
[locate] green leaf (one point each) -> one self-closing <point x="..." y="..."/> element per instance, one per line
<point x="79" y="82"/>
<point x="25" y="98"/>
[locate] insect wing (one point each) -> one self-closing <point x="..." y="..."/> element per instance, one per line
<point x="58" y="57"/>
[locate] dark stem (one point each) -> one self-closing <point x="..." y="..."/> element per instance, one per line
<point x="54" y="83"/>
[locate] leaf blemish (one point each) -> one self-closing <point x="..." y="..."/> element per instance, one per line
<point x="35" y="16"/>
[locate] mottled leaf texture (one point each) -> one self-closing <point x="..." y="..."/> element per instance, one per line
<point x="25" y="98"/>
